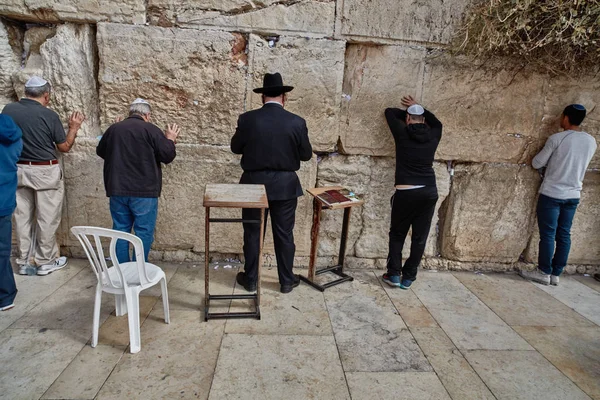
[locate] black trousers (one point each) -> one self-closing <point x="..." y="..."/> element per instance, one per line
<point x="283" y="218"/>
<point x="410" y="208"/>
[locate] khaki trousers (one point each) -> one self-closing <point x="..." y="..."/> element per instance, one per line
<point x="40" y="193"/>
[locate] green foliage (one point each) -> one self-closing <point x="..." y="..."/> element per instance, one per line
<point x="553" y="35"/>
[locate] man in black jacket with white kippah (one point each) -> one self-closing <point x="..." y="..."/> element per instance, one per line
<point x="417" y="133"/>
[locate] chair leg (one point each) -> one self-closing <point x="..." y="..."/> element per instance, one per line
<point x="165" y="299"/>
<point x="121" y="305"/>
<point x="97" y="304"/>
<point x="133" y="317"/>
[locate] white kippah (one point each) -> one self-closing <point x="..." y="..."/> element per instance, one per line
<point x="140" y="101"/>
<point x="35" y="81"/>
<point x="416" y="109"/>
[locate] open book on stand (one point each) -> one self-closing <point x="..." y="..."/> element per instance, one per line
<point x="337" y="197"/>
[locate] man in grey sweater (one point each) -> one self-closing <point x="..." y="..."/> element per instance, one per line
<point x="566" y="157"/>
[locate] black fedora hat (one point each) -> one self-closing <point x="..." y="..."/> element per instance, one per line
<point x="273" y="85"/>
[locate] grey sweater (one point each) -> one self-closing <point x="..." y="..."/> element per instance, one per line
<point x="566" y="155"/>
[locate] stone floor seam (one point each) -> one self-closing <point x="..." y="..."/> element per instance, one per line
<point x="111" y="372"/>
<point x="38" y="303"/>
<point x="436" y="372"/>
<point x="114" y="366"/>
<point x="69" y="363"/>
<point x="511" y="327"/>
<point x="221" y="341"/>
<point x="462" y="353"/>
<point x="336" y="346"/>
<point x="551" y="363"/>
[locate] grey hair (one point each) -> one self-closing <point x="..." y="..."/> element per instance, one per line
<point x="139" y="108"/>
<point x="37" y="92"/>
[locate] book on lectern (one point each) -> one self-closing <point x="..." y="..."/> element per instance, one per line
<point x="333" y="197"/>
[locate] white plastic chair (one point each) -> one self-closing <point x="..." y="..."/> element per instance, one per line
<point x="125" y="281"/>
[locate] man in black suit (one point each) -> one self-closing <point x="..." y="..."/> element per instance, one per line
<point x="272" y="142"/>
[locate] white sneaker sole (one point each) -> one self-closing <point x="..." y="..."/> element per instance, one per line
<point x="543" y="282"/>
<point x="48" y="271"/>
<point x="6" y="308"/>
<point x="390" y="283"/>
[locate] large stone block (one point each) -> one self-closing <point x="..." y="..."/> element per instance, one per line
<point x="375" y="78"/>
<point x="585" y="241"/>
<point x="194" y="78"/>
<point x="70" y="63"/>
<point x="372" y="179"/>
<point x="564" y="91"/>
<point x="315" y="67"/>
<point x="85" y="198"/>
<point x="64" y="55"/>
<point x="10" y="61"/>
<point x="490" y="114"/>
<point x="127" y="11"/>
<point x="490" y="212"/>
<point x="431" y="21"/>
<point x="180" y="224"/>
<point x="305" y="16"/>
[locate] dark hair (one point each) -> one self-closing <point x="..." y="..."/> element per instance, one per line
<point x="37" y="92"/>
<point x="575" y="113"/>
<point x="273" y="93"/>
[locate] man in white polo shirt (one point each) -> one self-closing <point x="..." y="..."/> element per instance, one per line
<point x="566" y="157"/>
<point x="40" y="189"/>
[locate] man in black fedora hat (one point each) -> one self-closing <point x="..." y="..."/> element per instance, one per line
<point x="272" y="142"/>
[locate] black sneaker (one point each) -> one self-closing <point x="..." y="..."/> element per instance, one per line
<point x="241" y="279"/>
<point x="289" y="288"/>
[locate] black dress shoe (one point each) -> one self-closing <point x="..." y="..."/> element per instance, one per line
<point x="242" y="280"/>
<point x="289" y="288"/>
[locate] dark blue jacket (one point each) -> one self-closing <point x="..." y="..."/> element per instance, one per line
<point x="10" y="151"/>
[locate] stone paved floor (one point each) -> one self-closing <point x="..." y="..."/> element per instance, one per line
<point x="453" y="336"/>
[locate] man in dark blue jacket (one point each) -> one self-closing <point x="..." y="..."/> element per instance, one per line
<point x="272" y="142"/>
<point x="10" y="151"/>
<point x="133" y="151"/>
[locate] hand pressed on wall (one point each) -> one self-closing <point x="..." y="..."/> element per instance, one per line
<point x="76" y="119"/>
<point x="408" y="101"/>
<point x="172" y="132"/>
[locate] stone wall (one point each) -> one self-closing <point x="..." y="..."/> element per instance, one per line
<point x="197" y="62"/>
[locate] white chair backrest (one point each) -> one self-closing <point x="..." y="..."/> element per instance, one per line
<point x="95" y="253"/>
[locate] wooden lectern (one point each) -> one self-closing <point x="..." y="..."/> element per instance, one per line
<point x="233" y="196"/>
<point x="318" y="205"/>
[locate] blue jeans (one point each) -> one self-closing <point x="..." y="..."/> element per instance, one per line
<point x="555" y="218"/>
<point x="138" y="213"/>
<point x="8" y="287"/>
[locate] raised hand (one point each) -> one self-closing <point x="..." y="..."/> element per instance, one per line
<point x="408" y="101"/>
<point x="75" y="120"/>
<point x="172" y="132"/>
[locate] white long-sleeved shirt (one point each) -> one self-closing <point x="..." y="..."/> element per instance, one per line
<point x="566" y="155"/>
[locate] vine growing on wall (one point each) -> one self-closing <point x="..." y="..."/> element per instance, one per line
<point x="557" y="36"/>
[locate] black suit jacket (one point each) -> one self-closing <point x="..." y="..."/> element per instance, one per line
<point x="272" y="142"/>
